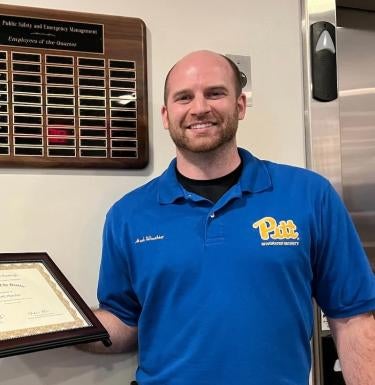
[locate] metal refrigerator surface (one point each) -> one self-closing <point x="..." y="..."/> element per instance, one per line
<point x="356" y="74"/>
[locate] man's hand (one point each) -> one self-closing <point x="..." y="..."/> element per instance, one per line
<point x="123" y="337"/>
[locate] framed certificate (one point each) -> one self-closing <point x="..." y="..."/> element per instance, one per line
<point x="39" y="308"/>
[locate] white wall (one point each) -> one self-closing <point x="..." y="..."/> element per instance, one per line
<point x="62" y="211"/>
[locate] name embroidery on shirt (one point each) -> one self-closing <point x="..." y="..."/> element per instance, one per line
<point x="272" y="233"/>
<point x="149" y="238"/>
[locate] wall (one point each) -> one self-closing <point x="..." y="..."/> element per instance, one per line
<point x="62" y="212"/>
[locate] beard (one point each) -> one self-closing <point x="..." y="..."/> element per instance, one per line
<point x="224" y="132"/>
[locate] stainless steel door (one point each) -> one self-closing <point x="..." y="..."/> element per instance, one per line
<point x="356" y="74"/>
<point x="340" y="136"/>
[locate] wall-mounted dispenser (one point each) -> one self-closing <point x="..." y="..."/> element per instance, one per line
<point x="323" y="61"/>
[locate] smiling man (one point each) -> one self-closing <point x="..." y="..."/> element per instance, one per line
<point x="211" y="268"/>
<point x="203" y="106"/>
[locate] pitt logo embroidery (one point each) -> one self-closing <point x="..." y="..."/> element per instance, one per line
<point x="269" y="228"/>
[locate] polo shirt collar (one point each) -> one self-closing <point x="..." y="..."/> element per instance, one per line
<point x="255" y="178"/>
<point x="169" y="189"/>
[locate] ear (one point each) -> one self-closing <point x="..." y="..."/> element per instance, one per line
<point x="164" y="117"/>
<point x="241" y="105"/>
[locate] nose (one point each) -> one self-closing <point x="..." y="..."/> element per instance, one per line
<point x="199" y="105"/>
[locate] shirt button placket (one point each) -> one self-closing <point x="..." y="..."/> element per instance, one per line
<point x="214" y="229"/>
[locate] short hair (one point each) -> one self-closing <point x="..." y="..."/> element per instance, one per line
<point x="237" y="75"/>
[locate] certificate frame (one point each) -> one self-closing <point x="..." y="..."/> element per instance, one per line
<point x="73" y="323"/>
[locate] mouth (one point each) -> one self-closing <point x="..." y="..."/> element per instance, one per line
<point x="201" y="125"/>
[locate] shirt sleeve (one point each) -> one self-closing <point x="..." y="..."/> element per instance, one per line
<point x="344" y="284"/>
<point x="115" y="292"/>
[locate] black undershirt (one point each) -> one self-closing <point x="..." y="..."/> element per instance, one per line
<point x="211" y="189"/>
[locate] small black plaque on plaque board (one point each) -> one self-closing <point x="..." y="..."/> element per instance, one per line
<point x="73" y="90"/>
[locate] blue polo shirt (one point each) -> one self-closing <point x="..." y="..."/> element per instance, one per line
<point x="222" y="293"/>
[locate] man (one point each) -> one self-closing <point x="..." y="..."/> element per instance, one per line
<point x="212" y="267"/>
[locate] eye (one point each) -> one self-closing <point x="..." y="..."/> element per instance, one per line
<point x="182" y="97"/>
<point x="216" y="93"/>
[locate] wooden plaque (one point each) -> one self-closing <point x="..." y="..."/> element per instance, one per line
<point x="73" y="89"/>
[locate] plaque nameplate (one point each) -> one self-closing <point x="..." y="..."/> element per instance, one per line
<point x="51" y="34"/>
